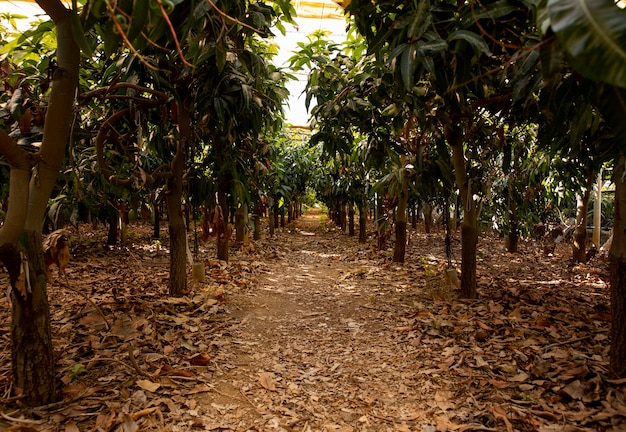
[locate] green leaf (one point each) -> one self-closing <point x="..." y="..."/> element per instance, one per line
<point x="407" y="66"/>
<point x="474" y="40"/>
<point x="138" y="18"/>
<point x="79" y="34"/>
<point x="593" y="32"/>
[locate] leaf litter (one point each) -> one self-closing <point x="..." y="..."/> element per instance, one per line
<point x="318" y="333"/>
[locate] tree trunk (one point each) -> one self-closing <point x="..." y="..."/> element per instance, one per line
<point x="399" y="249"/>
<point x="282" y="217"/>
<point x="31" y="337"/>
<point x="156" y="233"/>
<point x="469" y="227"/>
<point x="113" y="220"/>
<point x="579" y="252"/>
<point x="428" y="217"/>
<point x="597" y="212"/>
<point x="270" y="216"/>
<point x="363" y="221"/>
<point x="380" y="215"/>
<point x="351" y="231"/>
<point x="617" y="265"/>
<point x="31" y="334"/>
<point x="223" y="230"/>
<point x="513" y="228"/>
<point x="241" y="221"/>
<point x="174" y="198"/>
<point x="257" y="221"/>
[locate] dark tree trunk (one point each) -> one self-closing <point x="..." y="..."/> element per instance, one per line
<point x="282" y="217"/>
<point x="174" y="197"/>
<point x="399" y="249"/>
<point x="617" y="260"/>
<point x="271" y="214"/>
<point x="469" y="227"/>
<point x="469" y="240"/>
<point x="380" y="215"/>
<point x="363" y="222"/>
<point x="241" y="220"/>
<point x="224" y="230"/>
<point x="351" y="231"/>
<point x="31" y="334"/>
<point x="579" y="252"/>
<point x="156" y="234"/>
<point x="113" y="221"/>
<point x="428" y="217"/>
<point x="178" y="258"/>
<point x="257" y="227"/>
<point x="513" y="229"/>
<point x="414" y="216"/>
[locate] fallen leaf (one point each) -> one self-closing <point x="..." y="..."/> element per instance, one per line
<point x="520" y="377"/>
<point x="266" y="379"/>
<point x="148" y="385"/>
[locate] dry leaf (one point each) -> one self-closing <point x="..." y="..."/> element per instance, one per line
<point x="266" y="379"/>
<point x="71" y="427"/>
<point x="148" y="385"/>
<point x="520" y="377"/>
<point x="574" y="390"/>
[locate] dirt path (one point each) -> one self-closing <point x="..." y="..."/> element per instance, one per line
<point x="316" y="349"/>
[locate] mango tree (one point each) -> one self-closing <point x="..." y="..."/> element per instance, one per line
<point x="457" y="48"/>
<point x="593" y="35"/>
<point x="32" y="178"/>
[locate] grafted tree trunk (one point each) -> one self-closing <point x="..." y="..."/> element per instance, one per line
<point x="469" y="227"/>
<point x="617" y="264"/>
<point x="579" y="252"/>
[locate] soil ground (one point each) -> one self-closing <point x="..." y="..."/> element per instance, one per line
<point x="311" y="331"/>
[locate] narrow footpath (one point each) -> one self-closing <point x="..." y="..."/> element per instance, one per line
<point x="325" y="341"/>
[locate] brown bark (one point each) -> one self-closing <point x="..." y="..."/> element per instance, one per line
<point x="156" y="232"/>
<point x="363" y="222"/>
<point x="31" y="338"/>
<point x="399" y="249"/>
<point x="351" y="231"/>
<point x="271" y="216"/>
<point x="223" y="231"/>
<point x="469" y="227"/>
<point x="513" y="234"/>
<point x="428" y="217"/>
<point x="174" y="199"/>
<point x="241" y="220"/>
<point x="579" y="253"/>
<point x="617" y="260"/>
<point x="31" y="335"/>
